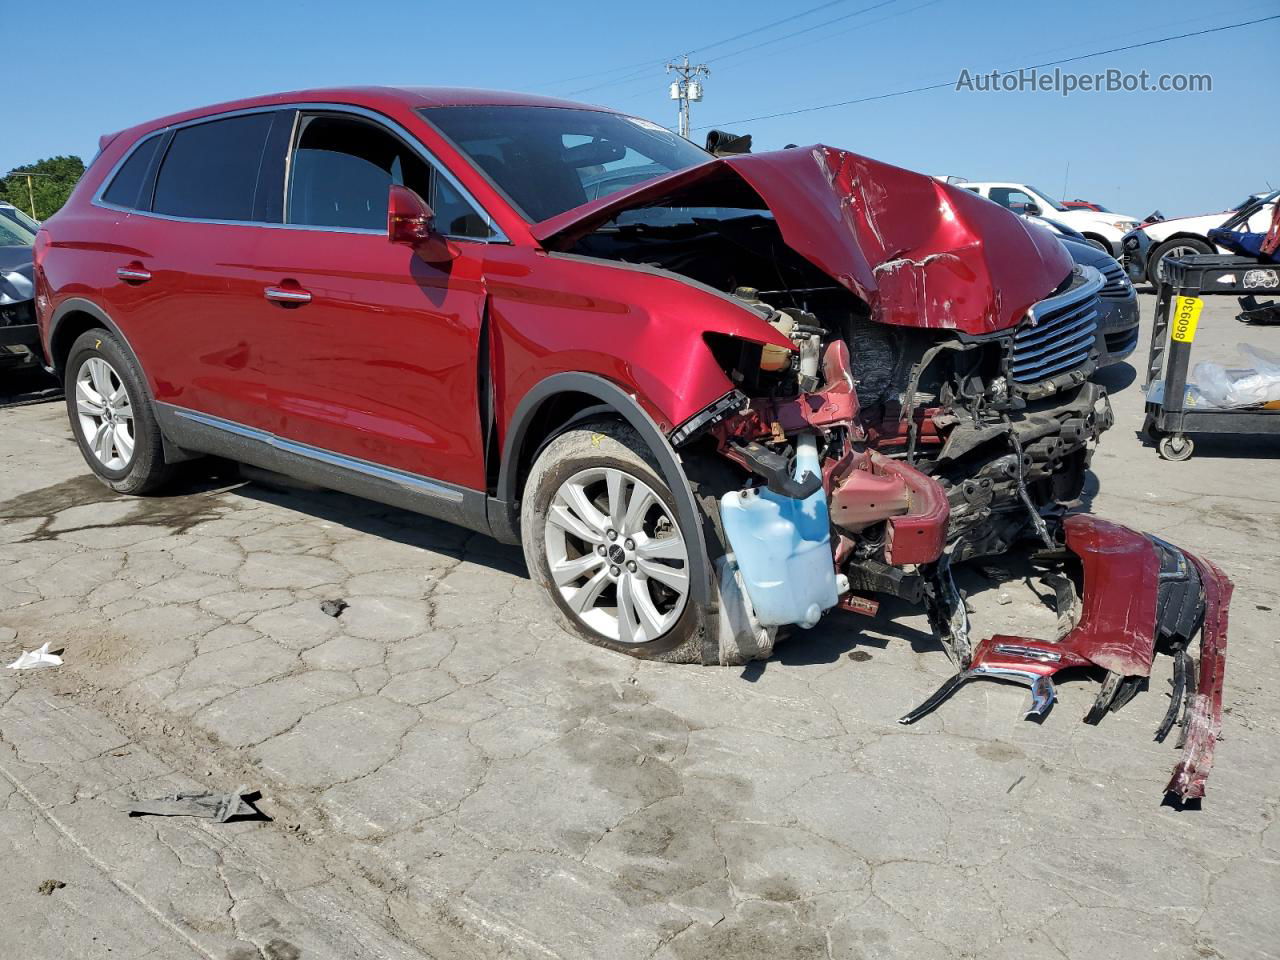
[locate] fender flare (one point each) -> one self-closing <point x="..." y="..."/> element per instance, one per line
<point x="81" y="305"/>
<point x="620" y="402"/>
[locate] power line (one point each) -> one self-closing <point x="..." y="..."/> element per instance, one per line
<point x="951" y="83"/>
<point x="648" y="64"/>
<point x="862" y="27"/>
<point x="644" y="73"/>
<point x="816" y="26"/>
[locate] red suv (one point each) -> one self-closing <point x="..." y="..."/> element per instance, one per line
<point x="710" y="396"/>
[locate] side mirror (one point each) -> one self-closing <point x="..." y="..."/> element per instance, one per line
<point x="411" y="221"/>
<point x="1031" y="209"/>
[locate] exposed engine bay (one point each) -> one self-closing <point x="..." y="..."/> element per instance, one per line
<point x="912" y="425"/>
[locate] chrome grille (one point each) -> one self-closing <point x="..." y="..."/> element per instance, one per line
<point x="1115" y="281"/>
<point x="1059" y="333"/>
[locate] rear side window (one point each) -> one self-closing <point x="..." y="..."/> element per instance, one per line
<point x="211" y="169"/>
<point x="126" y="186"/>
<point x="342" y="171"/>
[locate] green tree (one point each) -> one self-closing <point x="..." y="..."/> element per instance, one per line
<point x="51" y="183"/>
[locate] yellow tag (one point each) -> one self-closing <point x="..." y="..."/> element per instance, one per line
<point x="1186" y="314"/>
<point x="596" y="438"/>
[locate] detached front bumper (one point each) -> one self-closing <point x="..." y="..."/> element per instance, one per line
<point x="1139" y="594"/>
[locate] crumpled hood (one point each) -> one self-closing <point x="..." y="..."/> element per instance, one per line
<point x="921" y="253"/>
<point x="17" y="275"/>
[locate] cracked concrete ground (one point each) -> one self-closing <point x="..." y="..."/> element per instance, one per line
<point x="449" y="775"/>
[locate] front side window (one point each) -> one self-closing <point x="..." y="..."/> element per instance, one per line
<point x="547" y="160"/>
<point x="210" y="171"/>
<point x="1016" y="200"/>
<point x="342" y="170"/>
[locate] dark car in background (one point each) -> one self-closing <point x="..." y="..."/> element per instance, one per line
<point x="19" y="336"/>
<point x="1118" y="321"/>
<point x="1118" y="324"/>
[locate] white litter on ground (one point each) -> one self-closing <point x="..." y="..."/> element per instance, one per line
<point x="36" y="658"/>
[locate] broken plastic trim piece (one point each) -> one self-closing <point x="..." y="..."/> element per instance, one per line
<point x="1203" y="721"/>
<point x="1043" y="694"/>
<point x="708" y="417"/>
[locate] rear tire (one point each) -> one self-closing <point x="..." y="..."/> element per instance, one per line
<point x="112" y="417"/>
<point x="610" y="601"/>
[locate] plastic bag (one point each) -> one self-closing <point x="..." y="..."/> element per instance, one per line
<point x="1224" y="387"/>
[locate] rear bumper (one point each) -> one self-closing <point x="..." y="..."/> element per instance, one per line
<point x="1138" y="593"/>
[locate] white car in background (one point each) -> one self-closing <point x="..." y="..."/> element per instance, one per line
<point x="1187" y="236"/>
<point x="1104" y="230"/>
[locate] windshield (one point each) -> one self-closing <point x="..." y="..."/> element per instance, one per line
<point x="1255" y="197"/>
<point x="16" y="228"/>
<point x="547" y="160"/>
<point x="1047" y="197"/>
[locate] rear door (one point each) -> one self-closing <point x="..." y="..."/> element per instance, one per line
<point x="367" y="351"/>
<point x="186" y="288"/>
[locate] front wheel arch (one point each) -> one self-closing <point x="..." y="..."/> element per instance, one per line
<point x="610" y="400"/>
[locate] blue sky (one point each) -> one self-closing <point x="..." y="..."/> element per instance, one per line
<point x="115" y="64"/>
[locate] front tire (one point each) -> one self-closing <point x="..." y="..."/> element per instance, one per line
<point x="601" y="535"/>
<point x="112" y="417"/>
<point x="1177" y="247"/>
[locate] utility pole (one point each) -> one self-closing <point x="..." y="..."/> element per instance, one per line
<point x="686" y="89"/>
<point x="31" y="193"/>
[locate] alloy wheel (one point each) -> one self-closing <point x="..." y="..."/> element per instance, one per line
<point x="105" y="412"/>
<point x="1173" y="254"/>
<point x="616" y="555"/>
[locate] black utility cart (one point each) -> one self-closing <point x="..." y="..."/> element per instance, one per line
<point x="1178" y="304"/>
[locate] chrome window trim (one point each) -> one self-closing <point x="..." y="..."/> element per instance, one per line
<point x="411" y="481"/>
<point x="372" y="115"/>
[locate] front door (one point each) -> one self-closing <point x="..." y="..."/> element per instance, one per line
<point x="366" y="350"/>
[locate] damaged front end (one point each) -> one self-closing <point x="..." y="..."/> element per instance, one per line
<point x="936" y="406"/>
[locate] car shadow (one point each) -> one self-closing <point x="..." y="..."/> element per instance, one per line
<point x="840" y="633"/>
<point x="1116" y="377"/>
<point x="380" y="520"/>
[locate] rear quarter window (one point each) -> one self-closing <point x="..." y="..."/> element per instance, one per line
<point x="126" y="187"/>
<point x="210" y="171"/>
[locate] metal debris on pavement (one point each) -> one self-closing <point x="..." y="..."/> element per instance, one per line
<point x="211" y="806"/>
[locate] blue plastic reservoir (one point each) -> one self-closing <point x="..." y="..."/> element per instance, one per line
<point x="783" y="548"/>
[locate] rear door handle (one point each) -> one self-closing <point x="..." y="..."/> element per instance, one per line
<point x="133" y="273"/>
<point x="287" y="295"/>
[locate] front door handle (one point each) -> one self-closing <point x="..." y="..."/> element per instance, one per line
<point x="287" y="295"/>
<point x="133" y="273"/>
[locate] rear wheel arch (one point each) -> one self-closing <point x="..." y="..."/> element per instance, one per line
<point x="71" y="319"/>
<point x="76" y="317"/>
